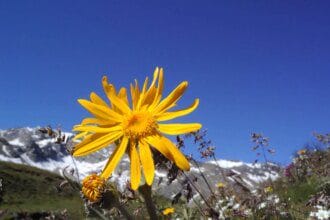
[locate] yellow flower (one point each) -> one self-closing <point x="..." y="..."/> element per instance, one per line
<point x="93" y="187"/>
<point x="135" y="127"/>
<point x="221" y="185"/>
<point x="168" y="211"/>
<point x="268" y="189"/>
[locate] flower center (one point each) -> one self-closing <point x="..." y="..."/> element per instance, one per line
<point x="139" y="125"/>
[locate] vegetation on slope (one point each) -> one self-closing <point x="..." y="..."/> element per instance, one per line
<point x="28" y="192"/>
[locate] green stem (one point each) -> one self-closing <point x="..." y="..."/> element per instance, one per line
<point x="145" y="190"/>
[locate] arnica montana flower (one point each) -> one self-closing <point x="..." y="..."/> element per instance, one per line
<point x="93" y="187"/>
<point x="268" y="189"/>
<point x="168" y="211"/>
<point x="221" y="185"/>
<point x="135" y="127"/>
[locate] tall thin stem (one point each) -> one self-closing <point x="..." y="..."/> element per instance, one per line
<point x="203" y="176"/>
<point x="202" y="196"/>
<point x="220" y="168"/>
<point x="145" y="190"/>
<point x="196" y="203"/>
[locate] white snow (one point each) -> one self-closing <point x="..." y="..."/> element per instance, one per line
<point x="231" y="164"/>
<point x="9" y="159"/>
<point x="121" y="179"/>
<point x="253" y="165"/>
<point x="266" y="176"/>
<point x="248" y="182"/>
<point x="237" y="172"/>
<point x="194" y="169"/>
<point x="226" y="163"/>
<point x="160" y="174"/>
<point x="67" y="134"/>
<point x="84" y="168"/>
<point x="5" y="150"/>
<point x="45" y="142"/>
<point x="16" y="142"/>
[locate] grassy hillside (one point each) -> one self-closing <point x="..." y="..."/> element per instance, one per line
<point x="31" y="192"/>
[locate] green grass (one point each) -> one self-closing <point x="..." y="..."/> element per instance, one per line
<point x="28" y="189"/>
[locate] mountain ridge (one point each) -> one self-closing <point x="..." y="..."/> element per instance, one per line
<point x="32" y="147"/>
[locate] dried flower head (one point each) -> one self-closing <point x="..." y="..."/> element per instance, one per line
<point x="93" y="187"/>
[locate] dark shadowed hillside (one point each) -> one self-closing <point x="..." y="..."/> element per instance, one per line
<point x="30" y="192"/>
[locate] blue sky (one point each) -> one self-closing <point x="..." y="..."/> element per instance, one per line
<point x="259" y="66"/>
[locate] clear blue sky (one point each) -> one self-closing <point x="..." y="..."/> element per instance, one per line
<point x="259" y="66"/>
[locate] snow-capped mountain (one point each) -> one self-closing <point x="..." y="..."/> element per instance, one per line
<point x="32" y="147"/>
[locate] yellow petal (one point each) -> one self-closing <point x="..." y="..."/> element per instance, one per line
<point x="145" y="84"/>
<point x="169" y="150"/>
<point x="96" y="129"/>
<point x="87" y="121"/>
<point x="176" y="129"/>
<point x="80" y="135"/>
<point x="149" y="97"/>
<point x="147" y="162"/>
<point x="142" y="94"/>
<point x="171" y="115"/>
<point x="172" y="98"/>
<point x="108" y="88"/>
<point x="160" y="82"/>
<point x="122" y="94"/>
<point x="154" y="77"/>
<point x="95" y="121"/>
<point x="135" y="167"/>
<point x="97" y="99"/>
<point x="118" y="102"/>
<point x="159" y="91"/>
<point x="114" y="159"/>
<point x="103" y="141"/>
<point x="149" y="94"/>
<point x="135" y="94"/>
<point x="100" y="111"/>
<point x="88" y="139"/>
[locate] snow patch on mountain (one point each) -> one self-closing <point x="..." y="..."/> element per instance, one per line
<point x="261" y="178"/>
<point x="226" y="163"/>
<point x="16" y="142"/>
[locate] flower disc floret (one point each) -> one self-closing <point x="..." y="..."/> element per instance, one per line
<point x="139" y="125"/>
